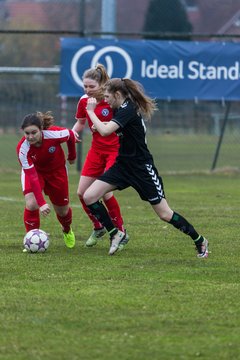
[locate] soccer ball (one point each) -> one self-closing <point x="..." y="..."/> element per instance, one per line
<point x="36" y="240"/>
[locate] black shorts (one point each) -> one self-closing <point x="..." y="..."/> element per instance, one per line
<point x="142" y="177"/>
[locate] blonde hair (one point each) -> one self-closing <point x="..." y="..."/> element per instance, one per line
<point x="134" y="91"/>
<point x="100" y="75"/>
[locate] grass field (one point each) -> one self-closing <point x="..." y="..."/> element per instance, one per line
<point x="154" y="300"/>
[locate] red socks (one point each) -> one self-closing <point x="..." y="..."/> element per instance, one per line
<point x="31" y="219"/>
<point x="114" y="212"/>
<point x="66" y="221"/>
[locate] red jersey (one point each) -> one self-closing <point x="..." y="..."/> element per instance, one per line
<point x="105" y="144"/>
<point x="46" y="158"/>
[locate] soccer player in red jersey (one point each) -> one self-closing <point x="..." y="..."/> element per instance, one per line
<point x="103" y="152"/>
<point x="44" y="169"/>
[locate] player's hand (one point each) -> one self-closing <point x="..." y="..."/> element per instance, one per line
<point x="71" y="161"/>
<point x="77" y="137"/>
<point x="91" y="104"/>
<point x="93" y="128"/>
<point x="45" y="210"/>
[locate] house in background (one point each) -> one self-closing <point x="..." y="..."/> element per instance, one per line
<point x="207" y="17"/>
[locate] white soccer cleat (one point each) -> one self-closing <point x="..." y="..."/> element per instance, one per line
<point x="203" y="251"/>
<point x="115" y="241"/>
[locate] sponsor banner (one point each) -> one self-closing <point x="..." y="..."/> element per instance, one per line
<point x="171" y="70"/>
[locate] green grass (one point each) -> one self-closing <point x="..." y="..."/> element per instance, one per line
<point x="172" y="153"/>
<point x="154" y="300"/>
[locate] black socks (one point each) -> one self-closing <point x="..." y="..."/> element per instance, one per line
<point x="179" y="222"/>
<point x="100" y="212"/>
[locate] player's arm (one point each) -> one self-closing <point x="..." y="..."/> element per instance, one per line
<point x="32" y="175"/>
<point x="71" y="145"/>
<point x="104" y="129"/>
<point x="78" y="128"/>
<point x="35" y="185"/>
<point x="30" y="172"/>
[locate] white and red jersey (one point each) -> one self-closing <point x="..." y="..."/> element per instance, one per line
<point x="46" y="158"/>
<point x="104" y="144"/>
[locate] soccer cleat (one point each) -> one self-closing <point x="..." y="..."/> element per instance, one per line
<point x="95" y="236"/>
<point x="24" y="251"/>
<point x="124" y="242"/>
<point x="203" y="249"/>
<point x="69" y="239"/>
<point x="115" y="241"/>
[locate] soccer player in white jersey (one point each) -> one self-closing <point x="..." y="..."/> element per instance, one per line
<point x="134" y="165"/>
<point x="44" y="170"/>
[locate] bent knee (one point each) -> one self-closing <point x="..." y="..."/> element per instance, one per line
<point x="89" y="198"/>
<point x="165" y="216"/>
<point x="80" y="195"/>
<point x="107" y="196"/>
<point x="31" y="205"/>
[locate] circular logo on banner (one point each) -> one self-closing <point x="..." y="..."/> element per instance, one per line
<point x="103" y="52"/>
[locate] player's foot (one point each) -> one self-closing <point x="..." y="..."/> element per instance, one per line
<point x="95" y="236"/>
<point x="69" y="239"/>
<point x="115" y="241"/>
<point x="202" y="249"/>
<point x="124" y="242"/>
<point x="24" y="250"/>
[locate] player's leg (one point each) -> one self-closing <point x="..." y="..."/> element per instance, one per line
<point x="112" y="203"/>
<point x="93" y="166"/>
<point x="31" y="213"/>
<point x="91" y="197"/>
<point x="179" y="222"/>
<point x="64" y="216"/>
<point x="150" y="187"/>
<point x="56" y="187"/>
<point x="116" y="216"/>
<point x="114" y="210"/>
<point x="84" y="183"/>
<point x="98" y="228"/>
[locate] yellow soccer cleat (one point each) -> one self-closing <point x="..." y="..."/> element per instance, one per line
<point x="69" y="239"/>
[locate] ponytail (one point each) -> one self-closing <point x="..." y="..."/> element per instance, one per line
<point x="133" y="90"/>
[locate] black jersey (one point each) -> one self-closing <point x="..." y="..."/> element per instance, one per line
<point x="132" y="133"/>
<point x="134" y="165"/>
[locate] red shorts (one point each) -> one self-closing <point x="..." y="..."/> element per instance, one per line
<point x="96" y="163"/>
<point x="54" y="184"/>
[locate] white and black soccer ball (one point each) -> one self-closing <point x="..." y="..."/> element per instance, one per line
<point x="36" y="240"/>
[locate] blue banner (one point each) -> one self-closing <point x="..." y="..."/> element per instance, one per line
<point x="171" y="70"/>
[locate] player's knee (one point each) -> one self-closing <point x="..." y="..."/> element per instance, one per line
<point x="89" y="198"/>
<point x="62" y="211"/>
<point x="31" y="205"/>
<point x="86" y="198"/>
<point x="165" y="216"/>
<point x="108" y="196"/>
<point x="80" y="194"/>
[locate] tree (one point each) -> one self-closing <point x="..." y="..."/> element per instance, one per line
<point x="27" y="49"/>
<point x="166" y="16"/>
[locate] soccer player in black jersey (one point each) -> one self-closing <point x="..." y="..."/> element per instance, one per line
<point x="134" y="165"/>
